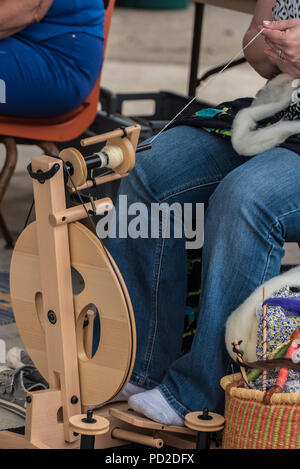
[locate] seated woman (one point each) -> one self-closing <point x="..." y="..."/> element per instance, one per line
<point x="253" y="208"/>
<point x="51" y="54"/>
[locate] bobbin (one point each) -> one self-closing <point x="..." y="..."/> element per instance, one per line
<point x="118" y="154"/>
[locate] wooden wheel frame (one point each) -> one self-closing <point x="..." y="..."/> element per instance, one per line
<point x="50" y="313"/>
<point x="50" y="307"/>
<point x="115" y="355"/>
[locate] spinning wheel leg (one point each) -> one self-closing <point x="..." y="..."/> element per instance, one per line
<point x="6" y="233"/>
<point x="5" y="176"/>
<point x="204" y="423"/>
<point x="203" y="440"/>
<point x="88" y="427"/>
<point x="88" y="441"/>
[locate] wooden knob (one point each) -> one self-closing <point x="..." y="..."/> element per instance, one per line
<point x="74" y="158"/>
<point x="78" y="424"/>
<point x="139" y="438"/>
<point x="195" y="421"/>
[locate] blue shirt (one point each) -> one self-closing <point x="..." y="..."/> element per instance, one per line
<point x="68" y="16"/>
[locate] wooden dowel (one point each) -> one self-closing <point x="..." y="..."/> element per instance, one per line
<point x="108" y="135"/>
<point x="100" y="180"/>
<point x="264" y="327"/>
<point x="78" y="212"/>
<point x="101" y="138"/>
<point x="139" y="438"/>
<point x="89" y="334"/>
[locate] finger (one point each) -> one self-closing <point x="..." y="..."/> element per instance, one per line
<point x="271" y="53"/>
<point x="272" y="48"/>
<point x="277" y="37"/>
<point x="282" y="25"/>
<point x="274" y="55"/>
<point x="276" y="48"/>
<point x="270" y="44"/>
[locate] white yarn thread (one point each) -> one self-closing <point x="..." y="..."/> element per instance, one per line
<point x="111" y="156"/>
<point x="206" y="85"/>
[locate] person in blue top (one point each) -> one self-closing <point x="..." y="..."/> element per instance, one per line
<point x="51" y="54"/>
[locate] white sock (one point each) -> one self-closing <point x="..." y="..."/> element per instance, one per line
<point x="129" y="390"/>
<point x="153" y="405"/>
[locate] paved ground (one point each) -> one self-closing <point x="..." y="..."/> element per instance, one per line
<point x="149" y="51"/>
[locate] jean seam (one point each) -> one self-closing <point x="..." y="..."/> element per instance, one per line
<point x="149" y="383"/>
<point x="269" y="253"/>
<point x="288" y="213"/>
<point x="191" y="187"/>
<point x="156" y="276"/>
<point x="182" y="410"/>
<point x="154" y="305"/>
<point x="151" y="335"/>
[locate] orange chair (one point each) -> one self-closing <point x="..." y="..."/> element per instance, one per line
<point x="44" y="132"/>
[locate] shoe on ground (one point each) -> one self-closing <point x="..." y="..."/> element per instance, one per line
<point x="15" y="384"/>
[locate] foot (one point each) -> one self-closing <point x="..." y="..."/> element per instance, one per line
<point x="129" y="390"/>
<point x="153" y="405"/>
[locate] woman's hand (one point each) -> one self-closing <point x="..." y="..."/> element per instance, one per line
<point x="42" y="9"/>
<point x="283" y="65"/>
<point x="283" y="45"/>
<point x="255" y="53"/>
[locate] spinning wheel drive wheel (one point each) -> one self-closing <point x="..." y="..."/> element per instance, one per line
<point x="97" y="286"/>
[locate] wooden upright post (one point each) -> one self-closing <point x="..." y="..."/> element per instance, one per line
<point x="58" y="308"/>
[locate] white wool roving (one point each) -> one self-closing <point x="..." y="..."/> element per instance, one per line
<point x="276" y="96"/>
<point x="242" y="324"/>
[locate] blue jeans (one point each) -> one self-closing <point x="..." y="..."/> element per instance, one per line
<point x="253" y="208"/>
<point x="48" y="78"/>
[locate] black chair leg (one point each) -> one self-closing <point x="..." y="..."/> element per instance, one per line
<point x="195" y="57"/>
<point x="6" y="233"/>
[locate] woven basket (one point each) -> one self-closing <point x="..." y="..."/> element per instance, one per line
<point x="250" y="424"/>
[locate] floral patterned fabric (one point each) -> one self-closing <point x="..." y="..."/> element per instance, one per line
<point x="280" y="326"/>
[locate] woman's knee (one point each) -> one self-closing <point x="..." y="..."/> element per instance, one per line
<point x="180" y="159"/>
<point x="243" y="193"/>
<point x="259" y="193"/>
<point x="153" y="167"/>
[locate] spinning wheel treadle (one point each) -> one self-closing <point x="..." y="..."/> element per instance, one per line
<point x="104" y="375"/>
<point x="140" y="421"/>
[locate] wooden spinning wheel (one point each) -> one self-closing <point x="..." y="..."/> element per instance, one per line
<point x="102" y="376"/>
<point x="61" y="278"/>
<point x="62" y="275"/>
